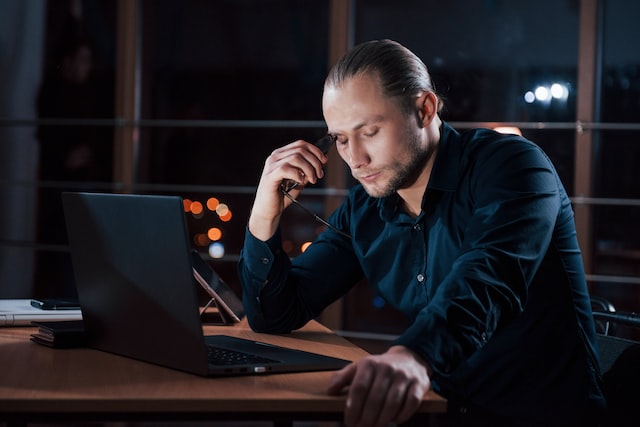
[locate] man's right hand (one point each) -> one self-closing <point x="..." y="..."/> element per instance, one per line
<point x="299" y="161"/>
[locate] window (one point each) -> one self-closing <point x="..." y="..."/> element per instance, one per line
<point x="189" y="97"/>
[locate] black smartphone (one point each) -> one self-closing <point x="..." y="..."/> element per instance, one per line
<point x="56" y="304"/>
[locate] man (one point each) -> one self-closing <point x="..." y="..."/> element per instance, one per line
<point x="471" y="235"/>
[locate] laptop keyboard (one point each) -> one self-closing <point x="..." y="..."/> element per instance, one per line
<point x="223" y="356"/>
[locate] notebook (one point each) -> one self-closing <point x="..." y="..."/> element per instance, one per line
<point x="20" y="312"/>
<point x="134" y="278"/>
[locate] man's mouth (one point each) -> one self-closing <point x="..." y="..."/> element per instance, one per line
<point x="367" y="176"/>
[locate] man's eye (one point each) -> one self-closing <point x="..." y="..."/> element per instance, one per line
<point x="371" y="133"/>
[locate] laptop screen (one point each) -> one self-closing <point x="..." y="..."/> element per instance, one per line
<point x="134" y="279"/>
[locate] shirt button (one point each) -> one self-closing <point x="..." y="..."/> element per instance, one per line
<point x="420" y="278"/>
<point x="484" y="337"/>
<point x="417" y="227"/>
<point x="264" y="260"/>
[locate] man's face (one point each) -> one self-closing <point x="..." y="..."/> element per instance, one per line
<point x="382" y="145"/>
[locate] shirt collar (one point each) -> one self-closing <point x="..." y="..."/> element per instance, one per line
<point x="443" y="176"/>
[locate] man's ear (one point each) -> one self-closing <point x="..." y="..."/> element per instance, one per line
<point x="427" y="106"/>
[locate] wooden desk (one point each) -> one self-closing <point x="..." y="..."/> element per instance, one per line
<point x="43" y="384"/>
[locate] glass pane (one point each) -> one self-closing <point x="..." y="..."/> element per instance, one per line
<point x="486" y="56"/>
<point x="616" y="232"/>
<point x="242" y="60"/>
<point x="75" y="103"/>
<point x="559" y="146"/>
<point x="213" y="155"/>
<point x="621" y="68"/>
<point x="200" y="62"/>
<point x="212" y="62"/>
<point x="58" y="71"/>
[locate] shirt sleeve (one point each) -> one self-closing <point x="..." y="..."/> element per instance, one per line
<point x="262" y="269"/>
<point x="281" y="295"/>
<point x="514" y="196"/>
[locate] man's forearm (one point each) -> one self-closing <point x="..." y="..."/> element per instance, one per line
<point x="263" y="228"/>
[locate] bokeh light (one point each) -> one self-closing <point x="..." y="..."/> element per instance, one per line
<point x="226" y="217"/>
<point x="201" y="239"/>
<point x="212" y="204"/>
<point x="216" y="250"/>
<point x="214" y="234"/>
<point x="197" y="208"/>
<point x="222" y="209"/>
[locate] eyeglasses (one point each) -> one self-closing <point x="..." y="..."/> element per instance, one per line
<point x="324" y="144"/>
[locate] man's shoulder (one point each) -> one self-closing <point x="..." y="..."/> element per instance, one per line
<point x="481" y="143"/>
<point x="484" y="138"/>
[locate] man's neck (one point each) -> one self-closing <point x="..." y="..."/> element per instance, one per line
<point x="412" y="196"/>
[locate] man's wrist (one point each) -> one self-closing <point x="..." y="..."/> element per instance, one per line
<point x="262" y="229"/>
<point x="416" y="356"/>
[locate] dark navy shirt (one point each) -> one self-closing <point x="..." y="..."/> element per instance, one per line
<point x="490" y="275"/>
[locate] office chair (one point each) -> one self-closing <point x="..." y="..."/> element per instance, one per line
<point x="600" y="304"/>
<point x="620" y="367"/>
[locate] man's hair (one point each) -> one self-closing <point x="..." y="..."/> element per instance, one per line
<point x="401" y="73"/>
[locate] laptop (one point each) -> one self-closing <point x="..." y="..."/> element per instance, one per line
<point x="134" y="276"/>
<point x="20" y="312"/>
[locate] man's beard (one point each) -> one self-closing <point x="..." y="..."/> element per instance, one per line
<point x="405" y="175"/>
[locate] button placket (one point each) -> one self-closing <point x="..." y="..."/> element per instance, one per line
<point x="419" y="238"/>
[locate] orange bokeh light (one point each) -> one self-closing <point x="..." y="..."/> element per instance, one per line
<point x="226" y="217"/>
<point x="187" y="205"/>
<point x="196" y="208"/>
<point x="304" y="246"/>
<point x="214" y="234"/>
<point x="212" y="203"/>
<point x="201" y="239"/>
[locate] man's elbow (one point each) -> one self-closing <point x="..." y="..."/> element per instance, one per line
<point x="259" y="324"/>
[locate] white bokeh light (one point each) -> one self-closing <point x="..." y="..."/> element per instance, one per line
<point x="542" y="94"/>
<point x="216" y="250"/>
<point x="559" y="91"/>
<point x="529" y="97"/>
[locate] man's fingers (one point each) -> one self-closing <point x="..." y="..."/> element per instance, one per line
<point x="413" y="397"/>
<point x="377" y="409"/>
<point x="298" y="161"/>
<point x="392" y="403"/>
<point x="341" y="379"/>
<point x="358" y="395"/>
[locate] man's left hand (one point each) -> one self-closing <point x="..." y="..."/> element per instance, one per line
<point x="383" y="388"/>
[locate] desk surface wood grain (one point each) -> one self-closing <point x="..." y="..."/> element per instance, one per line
<point x="39" y="380"/>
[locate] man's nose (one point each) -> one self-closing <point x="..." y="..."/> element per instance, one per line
<point x="357" y="155"/>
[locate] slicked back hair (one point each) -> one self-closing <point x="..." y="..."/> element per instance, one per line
<point x="402" y="75"/>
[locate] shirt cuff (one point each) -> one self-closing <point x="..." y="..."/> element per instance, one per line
<point x="259" y="256"/>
